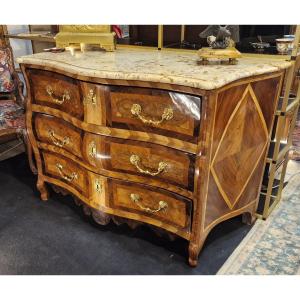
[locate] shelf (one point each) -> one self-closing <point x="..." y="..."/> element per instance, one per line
<point x="291" y="105"/>
<point x="283" y="148"/>
<point x="274" y="199"/>
<point x="41" y="37"/>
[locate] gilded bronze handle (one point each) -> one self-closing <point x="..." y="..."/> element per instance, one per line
<point x="56" y="141"/>
<point x="136" y="199"/>
<point x="66" y="176"/>
<point x="90" y="98"/>
<point x="92" y="149"/>
<point x="136" y="110"/>
<point x="65" y="97"/>
<point x="136" y="161"/>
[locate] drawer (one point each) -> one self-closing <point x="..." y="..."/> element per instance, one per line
<point x="56" y="91"/>
<point x="57" y="132"/>
<point x="61" y="168"/>
<point x="161" y="206"/>
<point x="140" y="159"/>
<point x="156" y="111"/>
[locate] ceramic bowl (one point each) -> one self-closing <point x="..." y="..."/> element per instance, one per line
<point x="284" y="45"/>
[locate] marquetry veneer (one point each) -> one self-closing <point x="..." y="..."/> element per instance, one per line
<point x="181" y="159"/>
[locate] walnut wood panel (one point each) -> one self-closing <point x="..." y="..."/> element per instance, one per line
<point x="57" y="91"/>
<point x="243" y="121"/>
<point x="183" y="121"/>
<point x="57" y="132"/>
<point x="134" y="158"/>
<point x="63" y="169"/>
<point x="94" y="101"/>
<point x="266" y="91"/>
<point x="98" y="191"/>
<point x="177" y="211"/>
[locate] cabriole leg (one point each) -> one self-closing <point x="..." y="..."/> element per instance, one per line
<point x="43" y="190"/>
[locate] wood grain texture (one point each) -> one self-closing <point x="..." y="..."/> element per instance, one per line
<point x="177" y="212"/>
<point x="55" y="131"/>
<point x="57" y="91"/>
<point x="214" y="145"/>
<point x="115" y="155"/>
<point x="185" y="120"/>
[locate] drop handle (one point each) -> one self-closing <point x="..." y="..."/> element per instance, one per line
<point x="56" y="99"/>
<point x="56" y="141"/>
<point x="136" y="161"/>
<point x="69" y="178"/>
<point x="162" y="205"/>
<point x="136" y="110"/>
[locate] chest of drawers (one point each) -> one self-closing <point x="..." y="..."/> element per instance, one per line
<point x="160" y="152"/>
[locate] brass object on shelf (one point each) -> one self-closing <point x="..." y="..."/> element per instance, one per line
<point x="92" y="149"/>
<point x="228" y="55"/>
<point x="56" y="141"/>
<point x="65" y="97"/>
<point x="136" y="160"/>
<point x="86" y="34"/>
<point x="69" y="178"/>
<point x="136" y="110"/>
<point x="91" y="98"/>
<point x="136" y="199"/>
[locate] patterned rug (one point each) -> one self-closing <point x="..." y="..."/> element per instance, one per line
<point x="271" y="247"/>
<point x="296" y="140"/>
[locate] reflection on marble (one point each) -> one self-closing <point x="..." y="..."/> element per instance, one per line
<point x="170" y="67"/>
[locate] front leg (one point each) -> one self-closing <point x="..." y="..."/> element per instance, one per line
<point x="248" y="218"/>
<point x="43" y="189"/>
<point x="193" y="254"/>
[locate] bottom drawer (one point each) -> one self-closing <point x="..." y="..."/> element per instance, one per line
<point x="129" y="200"/>
<point x="66" y="170"/>
<point x="162" y="206"/>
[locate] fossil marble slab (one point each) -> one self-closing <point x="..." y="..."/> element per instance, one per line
<point x="170" y="67"/>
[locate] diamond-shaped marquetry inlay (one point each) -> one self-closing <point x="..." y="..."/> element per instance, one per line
<point x="241" y="146"/>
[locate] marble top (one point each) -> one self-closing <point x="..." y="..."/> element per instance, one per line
<point x="153" y="65"/>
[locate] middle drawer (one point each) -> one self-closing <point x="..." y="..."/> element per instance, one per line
<point x="140" y="159"/>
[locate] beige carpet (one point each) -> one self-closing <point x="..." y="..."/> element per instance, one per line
<point x="273" y="246"/>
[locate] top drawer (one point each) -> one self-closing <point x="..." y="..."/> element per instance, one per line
<point x="157" y="111"/>
<point x="57" y="91"/>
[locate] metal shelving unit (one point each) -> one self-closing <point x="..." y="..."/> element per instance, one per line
<point x="280" y="145"/>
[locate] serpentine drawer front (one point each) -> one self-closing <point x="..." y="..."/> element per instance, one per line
<point x="56" y="91"/>
<point x="67" y="171"/>
<point x="161" y="206"/>
<point x="141" y="159"/>
<point x="180" y="148"/>
<point x="169" y="113"/>
<point x="57" y="132"/>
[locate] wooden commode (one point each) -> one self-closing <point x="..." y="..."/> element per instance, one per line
<point x="151" y="137"/>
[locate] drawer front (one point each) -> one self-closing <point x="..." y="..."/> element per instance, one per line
<point x="156" y="111"/>
<point x="159" y="205"/>
<point x="56" y="91"/>
<point x="57" y="132"/>
<point x="140" y="159"/>
<point x="61" y="168"/>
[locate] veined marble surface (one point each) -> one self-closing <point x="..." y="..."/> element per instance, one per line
<point x="153" y="65"/>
